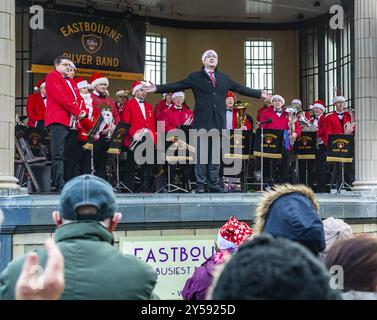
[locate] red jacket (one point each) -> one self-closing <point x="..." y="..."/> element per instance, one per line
<point x="280" y="123"/>
<point x="104" y="100"/>
<point x="260" y="111"/>
<point x="159" y="108"/>
<point x="35" y="109"/>
<point x="133" y="115"/>
<point x="333" y="124"/>
<point x="61" y="101"/>
<point x="321" y="132"/>
<point x="247" y="122"/>
<point x="174" y="117"/>
<point x="85" y="125"/>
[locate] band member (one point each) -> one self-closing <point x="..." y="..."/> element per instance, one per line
<point x="36" y="106"/>
<point x="104" y="105"/>
<point x="281" y="120"/>
<point x="139" y="114"/>
<point x="123" y="95"/>
<point x="340" y="122"/>
<point x="231" y="114"/>
<point x="164" y="104"/>
<point x="262" y="109"/>
<point x="175" y="116"/>
<point x="210" y="88"/>
<point x="319" y="121"/>
<point x="63" y="100"/>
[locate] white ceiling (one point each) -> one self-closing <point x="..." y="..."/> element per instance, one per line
<point x="266" y="11"/>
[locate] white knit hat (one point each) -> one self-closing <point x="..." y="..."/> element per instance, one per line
<point x="297" y="101"/>
<point x="178" y="94"/>
<point x="277" y="97"/>
<point x="208" y="52"/>
<point x="83" y="84"/>
<point x="335" y="230"/>
<point x="338" y="98"/>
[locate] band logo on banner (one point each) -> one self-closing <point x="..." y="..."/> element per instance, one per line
<point x="305" y="146"/>
<point x="118" y="137"/>
<point x="340" y="148"/>
<point x="110" y="46"/>
<point x="177" y="149"/>
<point x="272" y="143"/>
<point x="240" y="144"/>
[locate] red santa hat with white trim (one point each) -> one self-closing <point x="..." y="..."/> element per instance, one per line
<point x="232" y="234"/>
<point x="137" y="85"/>
<point x="40" y="84"/>
<point x="178" y="94"/>
<point x="97" y="78"/>
<point x="81" y="82"/>
<point x="338" y="98"/>
<point x="278" y="97"/>
<point x="318" y="104"/>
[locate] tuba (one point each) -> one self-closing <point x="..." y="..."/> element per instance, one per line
<point x="241" y="114"/>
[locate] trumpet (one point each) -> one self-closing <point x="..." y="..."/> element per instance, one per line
<point x="349" y="126"/>
<point x="137" y="137"/>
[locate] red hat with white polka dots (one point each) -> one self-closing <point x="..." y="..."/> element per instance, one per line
<point x="233" y="233"/>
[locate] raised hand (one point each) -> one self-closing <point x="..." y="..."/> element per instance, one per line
<point x="47" y="286"/>
<point x="151" y="88"/>
<point x="266" y="96"/>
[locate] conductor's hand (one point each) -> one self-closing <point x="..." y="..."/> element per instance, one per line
<point x="266" y="96"/>
<point x="151" y="88"/>
<point x="82" y="115"/>
<point x="49" y="285"/>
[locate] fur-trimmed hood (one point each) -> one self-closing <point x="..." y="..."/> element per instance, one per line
<point x="291" y="211"/>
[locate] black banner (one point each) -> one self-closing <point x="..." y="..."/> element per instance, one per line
<point x="117" y="139"/>
<point x="111" y="46"/>
<point x="272" y="143"/>
<point x="305" y="146"/>
<point x="240" y="144"/>
<point x="340" y="148"/>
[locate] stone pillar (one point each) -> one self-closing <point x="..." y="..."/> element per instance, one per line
<point x="366" y="95"/>
<point x="7" y="93"/>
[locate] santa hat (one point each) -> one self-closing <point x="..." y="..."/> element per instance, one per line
<point x="318" y="104"/>
<point x="297" y="101"/>
<point x="231" y="95"/>
<point x="338" y="98"/>
<point x="207" y="53"/>
<point x="122" y="92"/>
<point x="81" y="83"/>
<point x="178" y="94"/>
<point x="165" y="94"/>
<point x="137" y="85"/>
<point x="39" y="84"/>
<point x="232" y="234"/>
<point x="278" y="97"/>
<point x="97" y="78"/>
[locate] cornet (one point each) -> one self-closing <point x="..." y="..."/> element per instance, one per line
<point x="349" y="126"/>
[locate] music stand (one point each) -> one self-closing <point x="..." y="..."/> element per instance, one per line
<point x="171" y="187"/>
<point x="115" y="147"/>
<point x="344" y="184"/>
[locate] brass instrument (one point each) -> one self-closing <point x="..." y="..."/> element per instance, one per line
<point x="188" y="121"/>
<point x="179" y="144"/>
<point x="241" y="114"/>
<point x="349" y="126"/>
<point x="137" y="137"/>
<point x="292" y="118"/>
